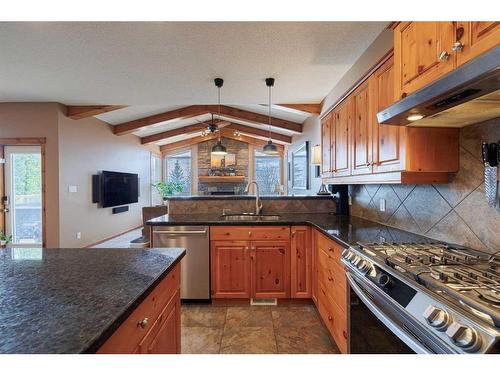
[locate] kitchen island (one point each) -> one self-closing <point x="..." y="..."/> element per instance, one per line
<point x="74" y="300"/>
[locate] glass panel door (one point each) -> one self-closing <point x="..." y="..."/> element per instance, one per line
<point x="23" y="188"/>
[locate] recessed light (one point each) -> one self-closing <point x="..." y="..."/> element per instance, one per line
<point x="415" y="117"/>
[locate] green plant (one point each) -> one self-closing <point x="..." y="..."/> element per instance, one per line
<point x="166" y="189"/>
<point x="4" y="238"/>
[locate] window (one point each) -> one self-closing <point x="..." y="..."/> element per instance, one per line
<point x="178" y="170"/>
<point x="268" y="173"/>
<point x="156" y="198"/>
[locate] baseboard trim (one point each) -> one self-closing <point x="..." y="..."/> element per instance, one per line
<point x="114" y="236"/>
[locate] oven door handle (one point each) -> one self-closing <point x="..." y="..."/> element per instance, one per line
<point x="408" y="340"/>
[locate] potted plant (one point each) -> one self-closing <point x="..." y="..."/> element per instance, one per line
<point x="167" y="189"/>
<point x="4" y="239"/>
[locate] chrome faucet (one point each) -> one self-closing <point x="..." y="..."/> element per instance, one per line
<point x="258" y="203"/>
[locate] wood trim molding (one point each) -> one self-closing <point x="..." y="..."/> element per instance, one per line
<point x="358" y="83"/>
<point x="111" y="237"/>
<point x="77" y="112"/>
<point x="307" y="108"/>
<point x="23" y="141"/>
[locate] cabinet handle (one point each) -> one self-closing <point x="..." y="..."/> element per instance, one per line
<point x="143" y="323"/>
<point x="344" y="333"/>
<point x="293" y="234"/>
<point x="457" y="46"/>
<point x="330" y="318"/>
<point x="330" y="249"/>
<point x="330" y="278"/>
<point x="443" y="56"/>
<point x="249" y="233"/>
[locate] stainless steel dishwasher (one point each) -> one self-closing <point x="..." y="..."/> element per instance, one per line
<point x="195" y="266"/>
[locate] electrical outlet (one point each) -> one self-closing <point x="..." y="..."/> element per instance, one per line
<point x="382" y="204"/>
<point x="72" y="188"/>
<point x="78" y="235"/>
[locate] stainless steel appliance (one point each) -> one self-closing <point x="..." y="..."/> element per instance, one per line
<point x="423" y="298"/>
<point x="467" y="95"/>
<point x="195" y="266"/>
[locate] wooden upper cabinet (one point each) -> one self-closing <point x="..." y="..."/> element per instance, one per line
<point x="388" y="140"/>
<point x="230" y="269"/>
<point x="422" y="53"/>
<point x="342" y="116"/>
<point x="301" y="262"/>
<point x="326" y="146"/>
<point x="475" y="38"/>
<point x="270" y="263"/>
<point x="361" y="131"/>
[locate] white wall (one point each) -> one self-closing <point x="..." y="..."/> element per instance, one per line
<point x="86" y="147"/>
<point x="311" y="132"/>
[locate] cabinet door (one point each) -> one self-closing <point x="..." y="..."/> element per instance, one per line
<point x="314" y="276"/>
<point x="475" y="38"/>
<point x="270" y="271"/>
<point x="230" y="269"/>
<point x="341" y="128"/>
<point x="164" y="336"/>
<point x="422" y="53"/>
<point x="326" y="146"/>
<point x="361" y="132"/>
<point x="301" y="262"/>
<point x="388" y="140"/>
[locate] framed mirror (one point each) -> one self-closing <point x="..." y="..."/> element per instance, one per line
<point x="300" y="167"/>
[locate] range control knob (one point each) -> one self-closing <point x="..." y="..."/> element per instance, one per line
<point x="348" y="255"/>
<point x="364" y="266"/>
<point x="464" y="337"/>
<point x="384" y="281"/>
<point x="355" y="260"/>
<point x="437" y="317"/>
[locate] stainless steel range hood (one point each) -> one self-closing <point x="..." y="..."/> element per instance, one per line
<point x="468" y="95"/>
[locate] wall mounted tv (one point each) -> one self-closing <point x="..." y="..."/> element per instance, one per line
<point x="119" y="188"/>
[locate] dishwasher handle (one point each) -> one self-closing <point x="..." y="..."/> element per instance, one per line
<point x="180" y="232"/>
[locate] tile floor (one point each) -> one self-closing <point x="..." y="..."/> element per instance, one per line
<point x="244" y="329"/>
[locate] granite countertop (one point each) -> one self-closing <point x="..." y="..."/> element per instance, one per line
<point x="72" y="300"/>
<point x="346" y="230"/>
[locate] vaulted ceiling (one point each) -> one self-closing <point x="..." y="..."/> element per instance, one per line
<point x="150" y="75"/>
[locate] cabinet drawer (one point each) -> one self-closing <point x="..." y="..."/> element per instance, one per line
<point x="250" y="233"/>
<point x="333" y="279"/>
<point x="331" y="248"/>
<point x="334" y="317"/>
<point x="130" y="333"/>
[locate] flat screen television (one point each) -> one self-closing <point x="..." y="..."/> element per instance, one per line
<point x="119" y="188"/>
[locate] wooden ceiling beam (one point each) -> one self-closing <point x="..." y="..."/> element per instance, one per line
<point x="307" y="108"/>
<point x="260" y="132"/>
<point x="181" y="113"/>
<point x="241" y="114"/>
<point x="229" y="133"/>
<point x="187" y="142"/>
<point x="172" y="133"/>
<point x="77" y="112"/>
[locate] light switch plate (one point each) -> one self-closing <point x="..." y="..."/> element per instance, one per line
<point x="382" y="204"/>
<point x="78" y="235"/>
<point x="72" y="188"/>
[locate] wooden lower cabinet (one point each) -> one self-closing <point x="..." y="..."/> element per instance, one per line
<point x="154" y="326"/>
<point x="230" y="269"/>
<point x="255" y="265"/>
<point x="332" y="297"/>
<point x="301" y="262"/>
<point x="270" y="269"/>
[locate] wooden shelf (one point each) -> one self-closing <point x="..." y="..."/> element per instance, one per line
<point x="234" y="179"/>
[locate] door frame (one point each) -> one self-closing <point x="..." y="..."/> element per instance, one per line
<point x="24" y="142"/>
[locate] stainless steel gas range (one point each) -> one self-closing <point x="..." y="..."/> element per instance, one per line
<point x="422" y="298"/>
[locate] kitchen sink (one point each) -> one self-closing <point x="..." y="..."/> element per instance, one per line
<point x="250" y="217"/>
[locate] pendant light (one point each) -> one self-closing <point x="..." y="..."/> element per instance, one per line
<point x="218" y="148"/>
<point x="270" y="148"/>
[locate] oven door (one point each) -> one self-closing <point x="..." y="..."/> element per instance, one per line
<point x="375" y="324"/>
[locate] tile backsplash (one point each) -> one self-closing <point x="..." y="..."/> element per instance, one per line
<point x="455" y="212"/>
